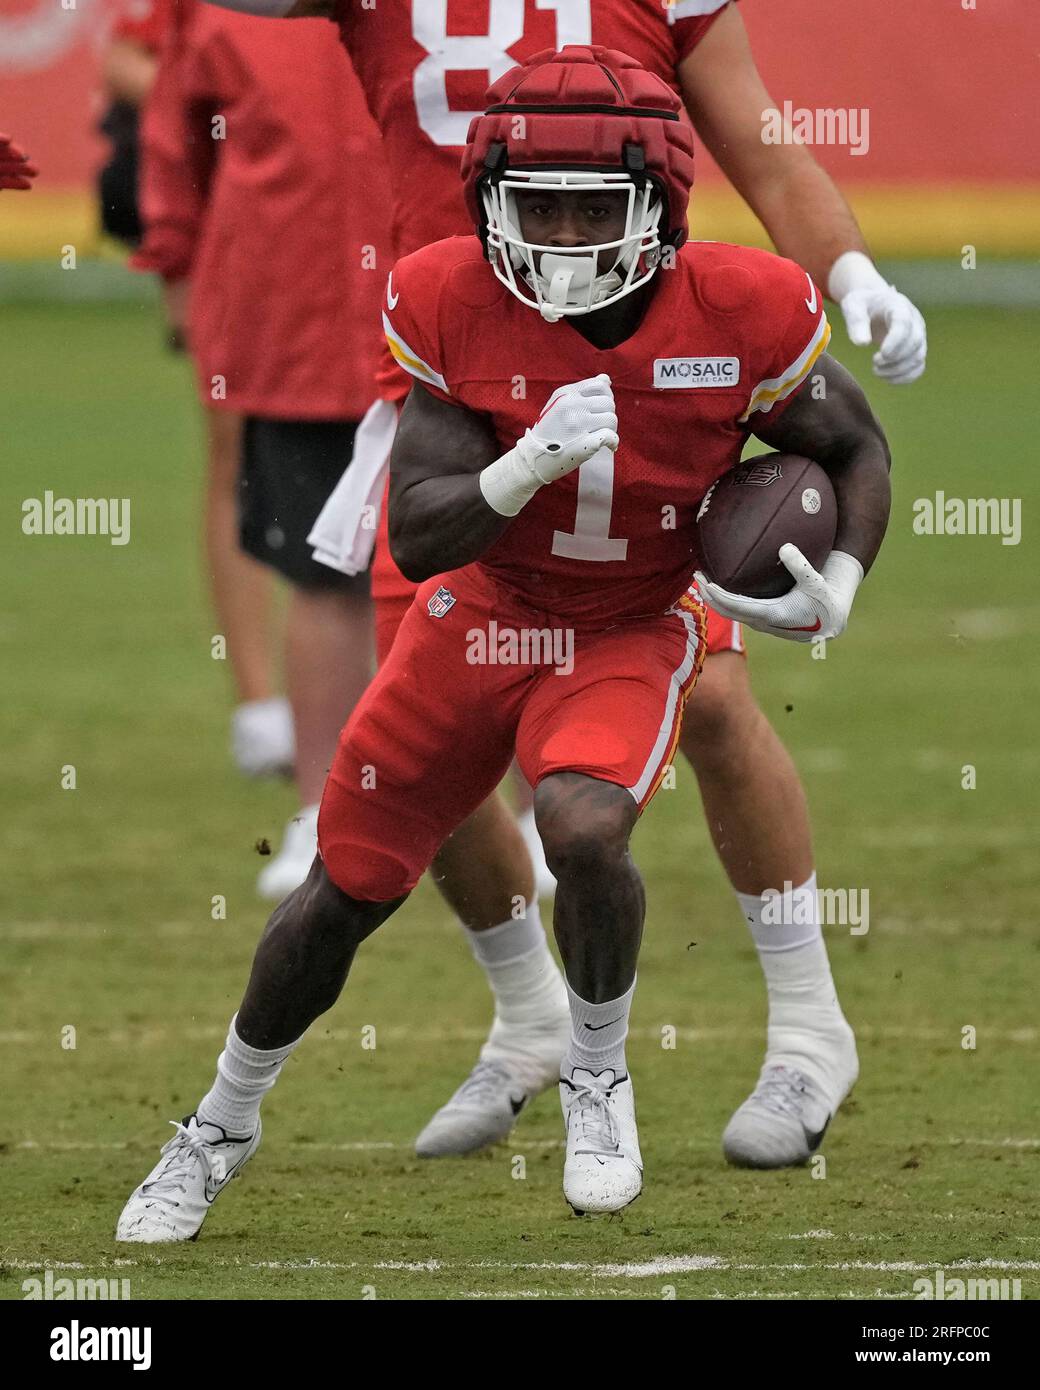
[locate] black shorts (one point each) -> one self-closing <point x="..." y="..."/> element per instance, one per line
<point x="289" y="468"/>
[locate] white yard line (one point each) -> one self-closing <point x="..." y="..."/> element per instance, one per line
<point x="162" y="1035"/>
<point x="650" y="1269"/>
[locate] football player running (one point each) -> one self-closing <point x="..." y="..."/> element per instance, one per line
<point x="546" y="507"/>
<point x="417" y="76"/>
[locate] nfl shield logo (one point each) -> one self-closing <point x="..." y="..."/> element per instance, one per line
<point x="758" y="473"/>
<point x="439" y="604"/>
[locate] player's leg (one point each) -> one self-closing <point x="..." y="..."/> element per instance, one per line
<point x="299" y="969"/>
<point x="523" y="806"/>
<point x="289" y="469"/>
<point x="328" y="645"/>
<point x="759" y="822"/>
<point x="484" y="873"/>
<point x="241" y="589"/>
<point x="595" y="744"/>
<point x="415" y="759"/>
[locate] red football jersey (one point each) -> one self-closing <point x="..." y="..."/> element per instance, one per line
<point x="147" y="22"/>
<point x="729" y="332"/>
<point x="251" y="183"/>
<point x="425" y="65"/>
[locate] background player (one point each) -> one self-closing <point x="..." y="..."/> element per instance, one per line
<point x="419" y="80"/>
<point x="243" y="157"/>
<point x="262" y="740"/>
<point x="436" y="730"/>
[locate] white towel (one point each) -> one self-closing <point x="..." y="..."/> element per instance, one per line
<point x="345" y="530"/>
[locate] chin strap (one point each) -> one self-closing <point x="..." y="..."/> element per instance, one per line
<point x="560" y="277"/>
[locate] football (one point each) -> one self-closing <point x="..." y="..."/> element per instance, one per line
<point x="754" y="509"/>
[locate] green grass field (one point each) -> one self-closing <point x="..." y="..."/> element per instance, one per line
<point x="107" y="892"/>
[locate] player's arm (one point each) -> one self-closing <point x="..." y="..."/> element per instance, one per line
<point x="15" y="169"/>
<point x="452" y="495"/>
<point x="176" y="167"/>
<point x="803" y="211"/>
<point x="438" y="518"/>
<point x="833" y="424"/>
<point x="843" y="435"/>
<point x="129" y="70"/>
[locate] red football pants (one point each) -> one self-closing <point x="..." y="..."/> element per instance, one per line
<point x="473" y="678"/>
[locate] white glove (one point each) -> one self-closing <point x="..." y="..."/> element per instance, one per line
<point x="817" y="606"/>
<point x="577" y="421"/>
<point x="876" y="312"/>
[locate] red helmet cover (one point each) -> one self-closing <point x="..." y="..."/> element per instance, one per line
<point x="584" y="107"/>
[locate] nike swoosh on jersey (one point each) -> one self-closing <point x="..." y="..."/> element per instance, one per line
<point x="391" y="298"/>
<point x="810" y="303"/>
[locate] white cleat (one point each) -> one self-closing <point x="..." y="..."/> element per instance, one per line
<point x="783" y="1121"/>
<point x="174" y="1199"/>
<point x="291" y="865"/>
<point x="481" y="1112"/>
<point x="603" y="1170"/>
<point x="512" y="1070"/>
<point x="544" y="878"/>
<point x="263" y="740"/>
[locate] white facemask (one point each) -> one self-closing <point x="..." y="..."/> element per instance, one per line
<point x="560" y="283"/>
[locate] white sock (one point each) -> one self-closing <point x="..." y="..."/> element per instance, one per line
<point x="598" y="1033"/>
<point x="244" y="1076"/>
<point x="803" y="1002"/>
<point x="530" y="999"/>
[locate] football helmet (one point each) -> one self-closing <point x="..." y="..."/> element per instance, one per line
<point x="584" y="119"/>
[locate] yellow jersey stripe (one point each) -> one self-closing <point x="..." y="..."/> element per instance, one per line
<point x="773" y="389"/>
<point x="411" y="361"/>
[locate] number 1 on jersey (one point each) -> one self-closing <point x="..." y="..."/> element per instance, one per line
<point x="591" y="538"/>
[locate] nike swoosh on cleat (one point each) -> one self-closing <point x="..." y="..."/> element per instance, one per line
<point x="213" y="1190"/>
<point x="814" y="1140"/>
<point x="595" y="1027"/>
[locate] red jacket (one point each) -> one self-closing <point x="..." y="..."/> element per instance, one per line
<point x="147" y="22"/>
<point x="261" y="182"/>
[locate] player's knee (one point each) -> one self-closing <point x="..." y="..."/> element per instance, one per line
<point x="364" y="873"/>
<point x="320" y="909"/>
<point x="584" y="823"/>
